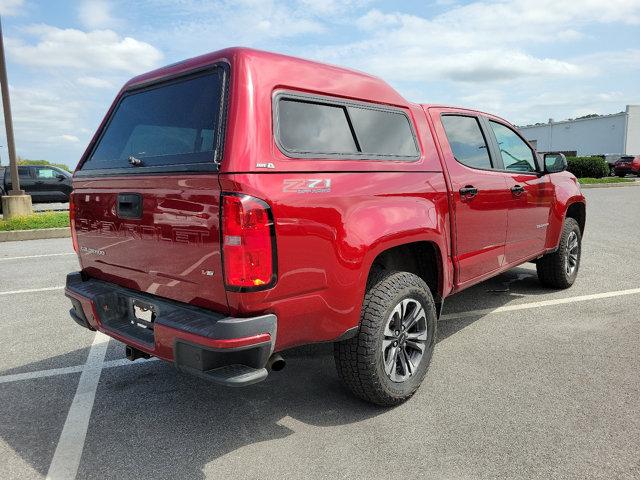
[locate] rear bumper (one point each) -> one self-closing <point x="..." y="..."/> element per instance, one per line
<point x="225" y="350"/>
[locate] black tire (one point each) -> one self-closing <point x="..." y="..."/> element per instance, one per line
<point x="556" y="269"/>
<point x="360" y="360"/>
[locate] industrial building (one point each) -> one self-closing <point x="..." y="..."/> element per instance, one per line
<point x="618" y="133"/>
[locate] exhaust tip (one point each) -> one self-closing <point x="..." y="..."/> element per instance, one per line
<point x="276" y="362"/>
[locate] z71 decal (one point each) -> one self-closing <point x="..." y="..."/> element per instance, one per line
<point x="307" y="185"/>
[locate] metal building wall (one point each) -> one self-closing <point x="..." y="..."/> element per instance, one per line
<point x="590" y="136"/>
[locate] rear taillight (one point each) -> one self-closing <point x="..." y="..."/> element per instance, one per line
<point x="248" y="247"/>
<point x="72" y="222"/>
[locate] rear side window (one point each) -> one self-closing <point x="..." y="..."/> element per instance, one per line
<point x="23" y="172"/>
<point x="174" y="123"/>
<point x="466" y="140"/>
<point x="341" y="129"/>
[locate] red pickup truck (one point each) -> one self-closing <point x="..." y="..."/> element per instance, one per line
<point x="241" y="203"/>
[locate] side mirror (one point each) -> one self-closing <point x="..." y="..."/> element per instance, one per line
<point x="60" y="177"/>
<point x="554" y="162"/>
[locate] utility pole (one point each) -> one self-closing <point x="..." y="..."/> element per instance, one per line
<point x="16" y="203"/>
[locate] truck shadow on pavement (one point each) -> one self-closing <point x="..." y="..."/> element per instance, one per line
<point x="149" y="420"/>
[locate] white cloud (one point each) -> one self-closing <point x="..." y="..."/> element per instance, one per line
<point x="96" y="14"/>
<point x="484" y="41"/>
<point x="94" y="82"/>
<point x="10" y="7"/>
<point x="101" y="50"/>
<point x="331" y="7"/>
<point x="43" y="119"/>
<point x="235" y="22"/>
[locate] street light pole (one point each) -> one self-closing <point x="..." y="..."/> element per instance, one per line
<point x="8" y="123"/>
<point x="16" y="204"/>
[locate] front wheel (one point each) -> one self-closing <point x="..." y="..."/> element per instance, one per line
<point x="386" y="361"/>
<point x="560" y="268"/>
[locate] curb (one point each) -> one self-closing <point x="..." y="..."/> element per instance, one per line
<point x="611" y="185"/>
<point x="39" y="234"/>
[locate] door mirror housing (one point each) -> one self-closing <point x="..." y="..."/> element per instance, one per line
<point x="60" y="176"/>
<point x="554" y="162"/>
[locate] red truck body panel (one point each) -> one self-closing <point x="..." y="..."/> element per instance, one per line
<point x="326" y="241"/>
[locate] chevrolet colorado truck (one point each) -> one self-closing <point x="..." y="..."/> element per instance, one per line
<point x="241" y="203"/>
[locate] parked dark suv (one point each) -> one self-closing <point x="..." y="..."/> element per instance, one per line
<point x="43" y="182"/>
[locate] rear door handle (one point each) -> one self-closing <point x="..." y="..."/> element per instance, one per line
<point x="468" y="192"/>
<point x="517" y="190"/>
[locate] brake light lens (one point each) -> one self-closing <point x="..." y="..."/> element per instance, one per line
<point x="247" y="243"/>
<point x="72" y="221"/>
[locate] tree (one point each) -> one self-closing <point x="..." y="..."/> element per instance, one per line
<point x="26" y="161"/>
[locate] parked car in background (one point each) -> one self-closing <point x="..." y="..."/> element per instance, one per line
<point x="623" y="166"/>
<point x="242" y="203"/>
<point x="611" y="159"/>
<point x="44" y="183"/>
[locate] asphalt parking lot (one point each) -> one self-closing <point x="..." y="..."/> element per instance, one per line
<point x="525" y="383"/>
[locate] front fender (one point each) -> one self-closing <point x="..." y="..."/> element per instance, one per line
<point x="567" y="192"/>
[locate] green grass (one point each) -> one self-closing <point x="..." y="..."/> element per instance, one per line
<point x="36" y="221"/>
<point x="588" y="181"/>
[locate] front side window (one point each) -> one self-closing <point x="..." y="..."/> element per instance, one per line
<point x="169" y="124"/>
<point x="343" y="129"/>
<point x="467" y="142"/>
<point x="45" y="173"/>
<point x="516" y="154"/>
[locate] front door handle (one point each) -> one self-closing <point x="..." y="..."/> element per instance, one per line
<point x="517" y="190"/>
<point x="468" y="192"/>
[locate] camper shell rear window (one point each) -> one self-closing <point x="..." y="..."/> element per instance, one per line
<point x="175" y="125"/>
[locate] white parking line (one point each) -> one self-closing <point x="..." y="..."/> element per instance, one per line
<point x="52" y="372"/>
<point x="40" y="374"/>
<point x="36" y="256"/>
<point x="543" y="303"/>
<point x="66" y="458"/>
<point x="31" y="290"/>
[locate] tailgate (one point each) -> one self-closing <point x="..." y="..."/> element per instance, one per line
<point x="169" y="247"/>
<point x="146" y="193"/>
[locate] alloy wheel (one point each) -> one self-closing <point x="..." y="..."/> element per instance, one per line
<point x="405" y="340"/>
<point x="573" y="251"/>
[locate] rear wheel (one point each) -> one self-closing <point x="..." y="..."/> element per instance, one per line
<point x="388" y="358"/>
<point x="560" y="268"/>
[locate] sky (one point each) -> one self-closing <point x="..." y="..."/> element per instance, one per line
<point x="525" y="60"/>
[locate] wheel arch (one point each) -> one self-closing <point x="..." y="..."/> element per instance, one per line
<point x="422" y="258"/>
<point x="578" y="211"/>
